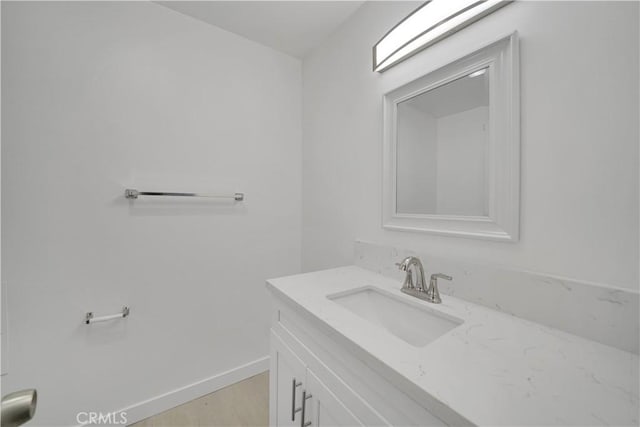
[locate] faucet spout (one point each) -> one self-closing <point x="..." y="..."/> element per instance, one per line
<point x="408" y="265"/>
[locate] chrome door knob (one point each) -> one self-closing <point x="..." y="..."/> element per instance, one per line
<point x="18" y="407"/>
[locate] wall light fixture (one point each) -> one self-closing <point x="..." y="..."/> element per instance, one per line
<point x="431" y="22"/>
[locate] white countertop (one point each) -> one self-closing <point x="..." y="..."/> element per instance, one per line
<point x="493" y="369"/>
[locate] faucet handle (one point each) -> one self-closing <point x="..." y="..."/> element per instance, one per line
<point x="433" y="293"/>
<point x="404" y="264"/>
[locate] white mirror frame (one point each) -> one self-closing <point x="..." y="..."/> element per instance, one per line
<point x="503" y="220"/>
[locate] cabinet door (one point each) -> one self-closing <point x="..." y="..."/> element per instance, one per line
<point x="324" y="409"/>
<point x="286" y="381"/>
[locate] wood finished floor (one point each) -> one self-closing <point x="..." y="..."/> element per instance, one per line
<point x="243" y="404"/>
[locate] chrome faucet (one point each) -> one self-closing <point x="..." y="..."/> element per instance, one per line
<point x="408" y="284"/>
<point x="418" y="290"/>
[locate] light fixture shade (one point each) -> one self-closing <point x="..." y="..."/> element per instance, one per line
<point x="431" y="22"/>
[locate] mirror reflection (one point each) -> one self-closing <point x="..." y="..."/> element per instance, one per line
<point x="442" y="149"/>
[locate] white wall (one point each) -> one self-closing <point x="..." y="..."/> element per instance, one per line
<point x="461" y="163"/>
<point x="417" y="152"/>
<point x="100" y="96"/>
<point x="579" y="78"/>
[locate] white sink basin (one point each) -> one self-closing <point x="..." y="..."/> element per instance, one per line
<point x="410" y="321"/>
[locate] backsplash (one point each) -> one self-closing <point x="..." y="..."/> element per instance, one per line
<point x="596" y="312"/>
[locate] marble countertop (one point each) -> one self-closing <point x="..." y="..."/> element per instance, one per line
<point x="493" y="369"/>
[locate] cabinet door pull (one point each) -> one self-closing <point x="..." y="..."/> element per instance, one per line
<point x="294" y="385"/>
<point x="305" y="396"/>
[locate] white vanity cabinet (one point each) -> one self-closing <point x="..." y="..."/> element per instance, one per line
<point x="288" y="377"/>
<point x="340" y="389"/>
<point x="298" y="396"/>
<point x="326" y="409"/>
<point x="350" y="336"/>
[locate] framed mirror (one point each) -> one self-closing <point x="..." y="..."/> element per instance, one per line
<point x="452" y="148"/>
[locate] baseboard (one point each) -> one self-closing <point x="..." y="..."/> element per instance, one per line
<point x="163" y="402"/>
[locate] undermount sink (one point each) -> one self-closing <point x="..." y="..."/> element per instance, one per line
<point x="411" y="322"/>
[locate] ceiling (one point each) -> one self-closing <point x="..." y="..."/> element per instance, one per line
<point x="292" y="27"/>
<point x="459" y="95"/>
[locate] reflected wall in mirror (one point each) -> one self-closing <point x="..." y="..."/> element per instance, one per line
<point x="452" y="148"/>
<point x="442" y="149"/>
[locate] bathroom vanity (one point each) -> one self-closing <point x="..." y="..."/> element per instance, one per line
<point x="349" y="348"/>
